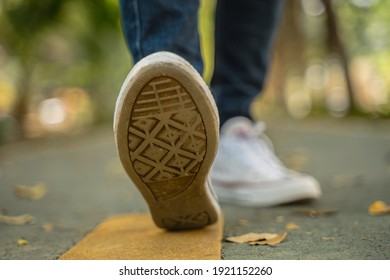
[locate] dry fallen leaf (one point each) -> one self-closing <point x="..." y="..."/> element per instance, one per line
<point x="258" y="238"/>
<point x="34" y="192"/>
<point x="17" y="220"/>
<point x="379" y="208"/>
<point x="243" y="222"/>
<point x="271" y="241"/>
<point x="47" y="227"/>
<point x="315" y="213"/>
<point x="280" y="219"/>
<point x="328" y="238"/>
<point x="292" y="226"/>
<point x="367" y="238"/>
<point x="22" y="242"/>
<point x="247" y="237"/>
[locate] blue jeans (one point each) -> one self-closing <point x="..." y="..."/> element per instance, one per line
<point x="244" y="31"/>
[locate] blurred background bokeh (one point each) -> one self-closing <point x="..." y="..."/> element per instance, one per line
<point x="62" y="63"/>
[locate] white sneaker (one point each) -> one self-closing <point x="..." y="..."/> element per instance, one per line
<point x="166" y="132"/>
<point x="247" y="172"/>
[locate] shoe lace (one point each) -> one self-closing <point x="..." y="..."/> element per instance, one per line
<point x="264" y="150"/>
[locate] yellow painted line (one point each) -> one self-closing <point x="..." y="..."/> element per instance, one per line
<point x="135" y="237"/>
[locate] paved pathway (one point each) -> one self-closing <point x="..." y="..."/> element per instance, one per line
<point x="86" y="184"/>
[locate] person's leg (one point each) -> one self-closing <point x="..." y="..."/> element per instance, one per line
<point x="162" y="25"/>
<point x="244" y="30"/>
<point x="166" y="124"/>
<point x="246" y="170"/>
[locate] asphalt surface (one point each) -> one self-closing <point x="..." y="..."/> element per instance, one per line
<point x="86" y="184"/>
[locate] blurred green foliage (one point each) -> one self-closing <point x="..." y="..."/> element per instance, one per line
<point x="49" y="45"/>
<point x="63" y="43"/>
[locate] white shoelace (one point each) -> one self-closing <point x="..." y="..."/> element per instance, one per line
<point x="264" y="151"/>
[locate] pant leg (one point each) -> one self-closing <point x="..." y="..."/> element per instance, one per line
<point x="244" y="30"/>
<point x="162" y="25"/>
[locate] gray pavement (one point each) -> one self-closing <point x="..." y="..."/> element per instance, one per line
<point x="85" y="182"/>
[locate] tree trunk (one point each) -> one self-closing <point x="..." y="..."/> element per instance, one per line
<point x="335" y="45"/>
<point x="289" y="55"/>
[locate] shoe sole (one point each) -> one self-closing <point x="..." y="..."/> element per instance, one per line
<point x="265" y="194"/>
<point x="166" y="130"/>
